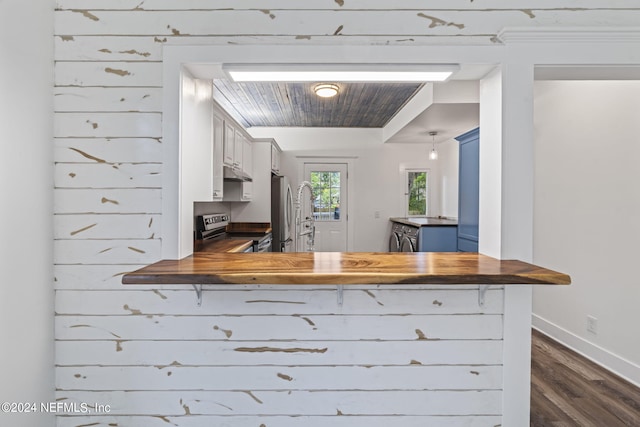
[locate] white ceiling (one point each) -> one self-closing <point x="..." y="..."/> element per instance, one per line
<point x="449" y="120"/>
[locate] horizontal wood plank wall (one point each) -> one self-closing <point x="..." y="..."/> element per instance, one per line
<point x="262" y="358"/>
<point x="275" y="356"/>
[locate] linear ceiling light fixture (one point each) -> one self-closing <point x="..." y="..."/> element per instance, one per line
<point x="339" y="72"/>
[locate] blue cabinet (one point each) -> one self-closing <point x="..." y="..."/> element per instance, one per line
<point x="469" y="191"/>
<point x="438" y="239"/>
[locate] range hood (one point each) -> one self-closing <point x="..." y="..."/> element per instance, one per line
<point x="235" y="175"/>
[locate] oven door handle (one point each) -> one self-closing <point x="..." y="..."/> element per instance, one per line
<point x="264" y="244"/>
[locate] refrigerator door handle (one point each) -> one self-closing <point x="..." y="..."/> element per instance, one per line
<point x="284" y="244"/>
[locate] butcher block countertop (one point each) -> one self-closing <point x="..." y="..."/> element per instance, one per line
<point x="343" y="268"/>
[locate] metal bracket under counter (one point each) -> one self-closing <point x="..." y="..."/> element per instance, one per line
<point x="198" y="289"/>
<point x="482" y="290"/>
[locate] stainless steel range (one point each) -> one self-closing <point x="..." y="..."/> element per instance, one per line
<point x="213" y="227"/>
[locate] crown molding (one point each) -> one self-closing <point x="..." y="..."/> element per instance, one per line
<point x="514" y="35"/>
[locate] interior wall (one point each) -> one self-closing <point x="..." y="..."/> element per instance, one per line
<point x="586" y="216"/>
<point x="26" y="254"/>
<point x="448" y="158"/>
<point x="377" y="179"/>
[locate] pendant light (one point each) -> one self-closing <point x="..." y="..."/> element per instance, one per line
<point x="433" y="155"/>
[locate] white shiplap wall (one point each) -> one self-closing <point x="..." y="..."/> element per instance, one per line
<point x="267" y="357"/>
<point x="277" y="356"/>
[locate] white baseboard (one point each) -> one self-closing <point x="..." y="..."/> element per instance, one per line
<point x="611" y="362"/>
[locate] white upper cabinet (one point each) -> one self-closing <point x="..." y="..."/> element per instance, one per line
<point x="229" y="144"/>
<point x="238" y="150"/>
<point x="218" y="154"/>
<point x="233" y="151"/>
<point x="247" y="163"/>
<point x="232" y="147"/>
<point x="275" y="158"/>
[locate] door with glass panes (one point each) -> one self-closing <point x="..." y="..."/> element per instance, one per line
<point x="329" y="182"/>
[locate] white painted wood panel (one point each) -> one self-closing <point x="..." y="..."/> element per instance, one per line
<point x="122" y="201"/>
<point x="412" y="377"/>
<point x="328" y="22"/>
<point x="109" y="150"/>
<point x="340" y="5"/>
<point x="104" y="44"/>
<point x="118" y="99"/>
<point x="99" y="48"/>
<point x="168" y="403"/>
<point x="113" y="351"/>
<point x="134" y="251"/>
<point x="107" y="227"/>
<point x="283" y="301"/>
<point x="108" y="125"/>
<point x="283" y="421"/>
<point x="92" y="277"/>
<point x="130" y="326"/>
<point x="103" y="175"/>
<point x="118" y="74"/>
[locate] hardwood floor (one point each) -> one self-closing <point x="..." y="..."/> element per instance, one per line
<point x="568" y="390"/>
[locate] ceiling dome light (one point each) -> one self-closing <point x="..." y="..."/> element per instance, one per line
<point x="326" y="90"/>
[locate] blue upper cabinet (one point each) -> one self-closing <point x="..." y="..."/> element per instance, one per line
<point x="469" y="191"/>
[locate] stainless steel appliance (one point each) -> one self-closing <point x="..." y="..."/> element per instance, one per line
<point x="396" y="237"/>
<point x="403" y="238"/>
<point x="409" y="241"/>
<point x="305" y="232"/>
<point x="213" y="227"/>
<point x="281" y="214"/>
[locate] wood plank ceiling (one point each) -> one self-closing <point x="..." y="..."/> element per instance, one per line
<point x="357" y="105"/>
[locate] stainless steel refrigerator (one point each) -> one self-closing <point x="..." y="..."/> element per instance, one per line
<point x="282" y="214"/>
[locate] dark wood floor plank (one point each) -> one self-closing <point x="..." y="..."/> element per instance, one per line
<point x="570" y="390"/>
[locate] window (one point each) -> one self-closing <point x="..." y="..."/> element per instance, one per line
<point x="417" y="192"/>
<point x="326" y="191"/>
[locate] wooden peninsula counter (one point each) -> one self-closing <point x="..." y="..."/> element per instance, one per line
<point x="343" y="268"/>
<point x="318" y="339"/>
